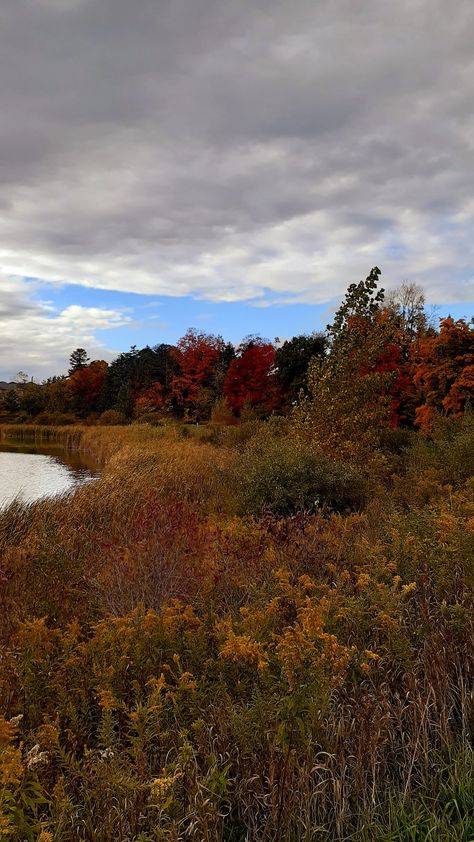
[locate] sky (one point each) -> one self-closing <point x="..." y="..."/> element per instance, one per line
<point x="231" y="166"/>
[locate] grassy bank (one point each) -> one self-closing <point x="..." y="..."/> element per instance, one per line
<point x="240" y="640"/>
<point x="103" y="442"/>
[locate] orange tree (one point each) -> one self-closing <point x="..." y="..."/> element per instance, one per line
<point x="444" y="370"/>
<point x="86" y="386"/>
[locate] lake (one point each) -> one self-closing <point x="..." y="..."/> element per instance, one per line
<point x="30" y="472"/>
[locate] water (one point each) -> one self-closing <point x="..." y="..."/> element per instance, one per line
<point x="30" y="472"/>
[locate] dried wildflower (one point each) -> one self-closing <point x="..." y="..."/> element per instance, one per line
<point x="36" y="758"/>
<point x="45" y="836"/>
<point x="156" y="684"/>
<point x="446" y="523"/>
<point x="386" y="620"/>
<point x="306" y="582"/>
<point x="48" y="736"/>
<point x="409" y="588"/>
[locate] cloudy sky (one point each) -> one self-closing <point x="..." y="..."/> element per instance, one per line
<point x="227" y="165"/>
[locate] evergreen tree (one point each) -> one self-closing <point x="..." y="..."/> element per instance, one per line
<point x="78" y="360"/>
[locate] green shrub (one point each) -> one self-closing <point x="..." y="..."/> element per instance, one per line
<point x="111" y="418"/>
<point x="55" y="419"/>
<point x="284" y="476"/>
<point x="448" y="450"/>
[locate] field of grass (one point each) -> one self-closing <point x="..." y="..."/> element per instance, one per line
<point x="227" y="637"/>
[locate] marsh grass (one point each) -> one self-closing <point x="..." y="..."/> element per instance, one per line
<point x="193" y="671"/>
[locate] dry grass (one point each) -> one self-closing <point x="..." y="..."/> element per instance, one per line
<point x="315" y="680"/>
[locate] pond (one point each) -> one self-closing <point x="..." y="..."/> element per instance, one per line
<point x="31" y="472"/>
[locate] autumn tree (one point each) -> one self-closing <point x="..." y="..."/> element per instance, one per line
<point x="152" y="400"/>
<point x="32" y="398"/>
<point x="349" y="397"/>
<point x="444" y="370"/>
<point x="86" y="386"/>
<point x="11" y="401"/>
<point x="198" y="356"/>
<point x="132" y="373"/>
<point x="251" y="378"/>
<point x="57" y="394"/>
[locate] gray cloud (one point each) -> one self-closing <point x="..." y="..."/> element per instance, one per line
<point x="237" y="150"/>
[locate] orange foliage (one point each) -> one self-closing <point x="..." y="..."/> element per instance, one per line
<point x="86" y="385"/>
<point x="444" y="370"/>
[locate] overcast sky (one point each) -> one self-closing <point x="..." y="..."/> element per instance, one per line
<point x="225" y="164"/>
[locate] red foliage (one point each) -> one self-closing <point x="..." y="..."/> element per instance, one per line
<point x="86" y="385"/>
<point x="251" y="377"/>
<point x="392" y="362"/>
<point x="152" y="400"/>
<point x="197" y="355"/>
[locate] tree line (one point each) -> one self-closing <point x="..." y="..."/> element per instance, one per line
<point x="381" y="360"/>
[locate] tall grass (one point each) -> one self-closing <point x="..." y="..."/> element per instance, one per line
<point x="187" y="670"/>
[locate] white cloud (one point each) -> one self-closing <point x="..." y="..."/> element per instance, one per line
<point x="39" y="340"/>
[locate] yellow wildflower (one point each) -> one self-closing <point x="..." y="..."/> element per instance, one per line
<point x="243" y="648"/>
<point x="6" y="828"/>
<point x="187" y="681"/>
<point x="363" y="581"/>
<point x="11" y="766"/>
<point x="161" y="787"/>
<point x="372" y="656"/>
<point x="8" y="729"/>
<point x="107" y="700"/>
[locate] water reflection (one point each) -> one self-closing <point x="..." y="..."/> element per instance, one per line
<point x="29" y="473"/>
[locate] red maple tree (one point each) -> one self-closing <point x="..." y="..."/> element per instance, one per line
<point x="197" y="355"/>
<point x="251" y="377"/>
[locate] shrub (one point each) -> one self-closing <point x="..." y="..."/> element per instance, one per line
<point x="111" y="418"/>
<point x="448" y="449"/>
<point x="55" y="419"/>
<point x="284" y="476"/>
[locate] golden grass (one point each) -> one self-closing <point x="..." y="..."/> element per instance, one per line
<point x="311" y="670"/>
